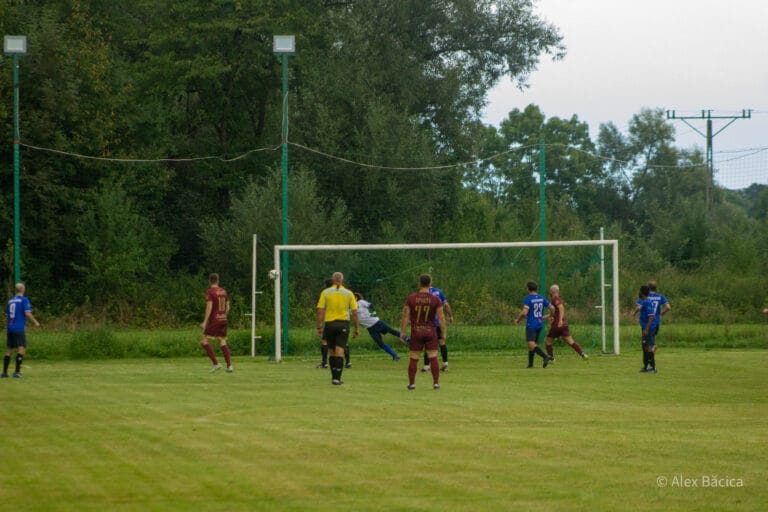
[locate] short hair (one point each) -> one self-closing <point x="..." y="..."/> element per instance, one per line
<point x="425" y="280"/>
<point x="213" y="278"/>
<point x="645" y="290"/>
<point x="337" y="277"/>
<point x="19" y="287"/>
<point x="652" y="285"/>
<point x="358" y="296"/>
<point x="328" y="282"/>
<point x="532" y="286"/>
<point x="554" y="289"/>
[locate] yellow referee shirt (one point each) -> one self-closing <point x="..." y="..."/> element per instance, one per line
<point x="337" y="303"/>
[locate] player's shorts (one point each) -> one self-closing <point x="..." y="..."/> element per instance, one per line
<point x="16" y="340"/>
<point x="336" y="333"/>
<point x="532" y="335"/>
<point x="439" y="333"/>
<point x="216" y="330"/>
<point x="650" y="339"/>
<point x="419" y="343"/>
<point x="559" y="332"/>
<point x="656" y="330"/>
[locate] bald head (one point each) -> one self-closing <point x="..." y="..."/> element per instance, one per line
<point x="338" y="278"/>
<point x="20" y="288"/>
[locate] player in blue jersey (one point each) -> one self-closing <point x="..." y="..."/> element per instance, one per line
<point x="448" y="314"/>
<point x="533" y="311"/>
<point x="661" y="305"/>
<point x="649" y="324"/>
<point x="17" y="311"/>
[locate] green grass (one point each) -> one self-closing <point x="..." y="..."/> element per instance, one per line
<point x="164" y="434"/>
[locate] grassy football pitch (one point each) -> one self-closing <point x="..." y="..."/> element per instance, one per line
<point x="164" y="434"/>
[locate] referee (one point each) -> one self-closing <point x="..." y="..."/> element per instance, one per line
<point x="334" y="307"/>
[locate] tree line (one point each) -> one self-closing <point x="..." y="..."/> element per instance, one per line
<point x="180" y="103"/>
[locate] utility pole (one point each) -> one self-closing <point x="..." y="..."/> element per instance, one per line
<point x="707" y="115"/>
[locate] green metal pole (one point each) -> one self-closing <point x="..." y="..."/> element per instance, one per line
<point x="284" y="263"/>
<point x="16" y="159"/>
<point x="542" y="221"/>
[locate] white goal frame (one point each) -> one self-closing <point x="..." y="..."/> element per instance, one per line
<point x="614" y="244"/>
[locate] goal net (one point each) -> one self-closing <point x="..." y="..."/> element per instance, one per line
<point x="483" y="282"/>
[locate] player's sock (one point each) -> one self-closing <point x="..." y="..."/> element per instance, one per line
<point x="434" y="366"/>
<point x="227" y="355"/>
<point x="413" y="365"/>
<point x="6" y="362"/>
<point x="324" y="354"/>
<point x="211" y="355"/>
<point x="577" y="348"/>
<point x="530" y="357"/>
<point x="646" y="361"/>
<point x="19" y="359"/>
<point x="388" y="349"/>
<point x="426" y="359"/>
<point x="337" y="365"/>
<point x="444" y="353"/>
<point x="550" y="350"/>
<point x="652" y="359"/>
<point x="540" y="352"/>
<point x="346" y="354"/>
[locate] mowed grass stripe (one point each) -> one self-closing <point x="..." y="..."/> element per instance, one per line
<point x="596" y="435"/>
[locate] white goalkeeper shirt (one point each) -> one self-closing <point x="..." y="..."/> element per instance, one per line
<point x="367" y="319"/>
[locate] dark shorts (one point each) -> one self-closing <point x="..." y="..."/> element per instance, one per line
<point x="559" y="332"/>
<point x="439" y="333"/>
<point x="336" y="333"/>
<point x="532" y="335"/>
<point x="216" y="330"/>
<point x="656" y="330"/>
<point x="650" y="339"/>
<point x="16" y="340"/>
<point x="419" y="343"/>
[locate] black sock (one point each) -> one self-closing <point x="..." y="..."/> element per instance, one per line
<point x="645" y="359"/>
<point x="540" y="352"/>
<point x="426" y="359"/>
<point x="346" y="354"/>
<point x="324" y="354"/>
<point x="337" y="365"/>
<point x="652" y="359"/>
<point x="444" y="352"/>
<point x="530" y="357"/>
<point x="19" y="359"/>
<point x="6" y="362"/>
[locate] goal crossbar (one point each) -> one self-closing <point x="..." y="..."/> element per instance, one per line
<point x="278" y="250"/>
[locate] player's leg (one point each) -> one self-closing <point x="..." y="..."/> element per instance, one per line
<point x="532" y="338"/>
<point x="413" y="364"/>
<point x="549" y="347"/>
<point x="651" y="345"/>
<point x="434" y="366"/>
<point x="227" y="354"/>
<point x="323" y="354"/>
<point x="347" y="364"/>
<point x="20" y="351"/>
<point x="376" y="334"/>
<point x="205" y="342"/>
<point x="575" y="346"/>
<point x="443" y="353"/>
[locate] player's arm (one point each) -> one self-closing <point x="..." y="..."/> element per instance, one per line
<point x="31" y="317"/>
<point x="448" y="312"/>
<point x="319" y="318"/>
<point x="404" y="321"/>
<point x="522" y="315"/>
<point x="636" y="310"/>
<point x="208" y="309"/>
<point x="651" y="317"/>
<point x="441" y="318"/>
<point x="356" y="320"/>
<point x="665" y="308"/>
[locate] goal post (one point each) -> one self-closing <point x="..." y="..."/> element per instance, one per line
<point x="277" y="274"/>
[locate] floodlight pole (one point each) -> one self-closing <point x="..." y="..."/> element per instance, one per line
<point x="707" y="114"/>
<point x="284" y="46"/>
<point x="16" y="46"/>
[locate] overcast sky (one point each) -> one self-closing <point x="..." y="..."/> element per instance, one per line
<point x="683" y="55"/>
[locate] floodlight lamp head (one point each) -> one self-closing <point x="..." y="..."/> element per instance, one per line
<point x="15" y="45"/>
<point x="284" y="45"/>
